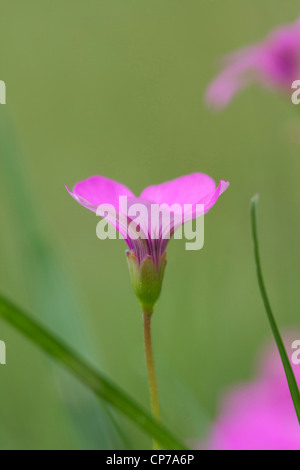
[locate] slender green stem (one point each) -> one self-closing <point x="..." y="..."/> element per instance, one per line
<point x="153" y="390"/>
<point x="293" y="386"/>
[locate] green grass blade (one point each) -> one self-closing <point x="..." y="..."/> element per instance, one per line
<point x="53" y="297"/>
<point x="283" y="354"/>
<point x="100" y="385"/>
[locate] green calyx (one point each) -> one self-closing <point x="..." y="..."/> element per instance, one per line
<point x="146" y="279"/>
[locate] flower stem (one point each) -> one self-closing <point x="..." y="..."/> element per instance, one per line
<point x="153" y="390"/>
<point x="291" y="379"/>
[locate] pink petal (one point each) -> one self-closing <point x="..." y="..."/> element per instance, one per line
<point x="196" y="188"/>
<point x="251" y="419"/>
<point x="98" y="190"/>
<point x="259" y="415"/>
<point x="274" y="62"/>
<point x="241" y="68"/>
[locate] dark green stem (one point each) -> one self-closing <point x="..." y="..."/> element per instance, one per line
<point x="293" y="386"/>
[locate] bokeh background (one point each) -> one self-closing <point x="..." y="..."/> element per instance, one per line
<point x="116" y="88"/>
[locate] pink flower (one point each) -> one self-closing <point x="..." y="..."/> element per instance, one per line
<point x="275" y="63"/>
<point x="259" y="415"/>
<point x="181" y="200"/>
<point x="191" y="190"/>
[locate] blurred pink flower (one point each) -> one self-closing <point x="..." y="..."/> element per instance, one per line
<point x="259" y="415"/>
<point x="275" y="63"/>
<point x="193" y="189"/>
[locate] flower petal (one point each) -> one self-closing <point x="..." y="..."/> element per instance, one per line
<point x="98" y="190"/>
<point x="196" y="188"/>
<point x="241" y="69"/>
<point x="259" y="415"/>
<point x="274" y="62"/>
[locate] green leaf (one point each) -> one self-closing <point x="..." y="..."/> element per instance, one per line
<point x="53" y="296"/>
<point x="94" y="380"/>
<point x="283" y="354"/>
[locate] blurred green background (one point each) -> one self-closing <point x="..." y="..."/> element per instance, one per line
<point x="116" y="88"/>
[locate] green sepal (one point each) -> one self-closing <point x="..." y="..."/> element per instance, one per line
<point x="146" y="279"/>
